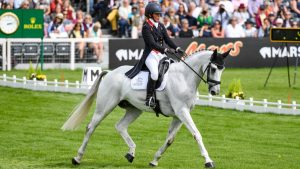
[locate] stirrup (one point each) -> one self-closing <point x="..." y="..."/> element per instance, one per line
<point x="151" y="102"/>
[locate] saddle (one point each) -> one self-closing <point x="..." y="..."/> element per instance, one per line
<point x="139" y="82"/>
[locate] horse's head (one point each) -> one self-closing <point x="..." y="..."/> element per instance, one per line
<point x="214" y="71"/>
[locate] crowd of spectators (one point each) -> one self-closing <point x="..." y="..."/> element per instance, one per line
<point x="182" y="18"/>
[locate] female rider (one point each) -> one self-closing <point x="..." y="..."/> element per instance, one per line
<point x="154" y="35"/>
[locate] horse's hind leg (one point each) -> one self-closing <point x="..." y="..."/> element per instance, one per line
<point x="130" y="116"/>
<point x="173" y="129"/>
<point x="103" y="108"/>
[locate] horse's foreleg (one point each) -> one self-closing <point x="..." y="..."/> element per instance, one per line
<point x="173" y="129"/>
<point x="185" y="116"/>
<point x="130" y="116"/>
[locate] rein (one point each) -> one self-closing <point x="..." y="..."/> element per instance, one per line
<point x="201" y="77"/>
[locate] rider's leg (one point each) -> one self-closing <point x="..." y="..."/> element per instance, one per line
<point x="152" y="64"/>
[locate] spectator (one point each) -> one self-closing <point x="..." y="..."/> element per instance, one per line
<point x="241" y="14"/>
<point x="260" y="16"/>
<point x="205" y="17"/>
<point x="217" y="30"/>
<point x="56" y="28"/>
<point x="123" y="22"/>
<point x="215" y="7"/>
<point x="222" y="15"/>
<point x="87" y="22"/>
<point x="78" y="32"/>
<point x="192" y="20"/>
<point x="250" y="31"/>
<point x="295" y="24"/>
<point x="272" y="18"/>
<point x="287" y="22"/>
<point x="194" y="10"/>
<point x="58" y="9"/>
<point x="295" y="7"/>
<point x="185" y="32"/>
<point x="234" y="30"/>
<point x="205" y="31"/>
<point x="17" y="3"/>
<point x="228" y="6"/>
<point x="54" y="3"/>
<point x="174" y="19"/>
<point x="68" y="24"/>
<point x="97" y="45"/>
<point x="25" y="5"/>
<point x="79" y="16"/>
<point x="69" y="9"/>
<point x="237" y="3"/>
<point x="253" y="6"/>
<point x="181" y="12"/>
<point x="264" y="30"/>
<point x="112" y="18"/>
<point x="137" y="22"/>
<point x="169" y="26"/>
<point x="279" y="23"/>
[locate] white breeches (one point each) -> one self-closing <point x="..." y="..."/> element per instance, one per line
<point x="152" y="63"/>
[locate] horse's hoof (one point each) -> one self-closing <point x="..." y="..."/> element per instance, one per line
<point x="152" y="164"/>
<point x="129" y="157"/>
<point x="74" y="162"/>
<point x="210" y="165"/>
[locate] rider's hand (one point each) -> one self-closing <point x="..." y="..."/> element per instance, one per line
<point x="180" y="51"/>
<point x="170" y="51"/>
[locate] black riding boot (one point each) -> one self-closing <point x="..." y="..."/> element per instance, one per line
<point x="150" y="99"/>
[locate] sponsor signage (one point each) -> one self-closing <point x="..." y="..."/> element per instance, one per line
<point x="246" y="53"/>
<point x="19" y="23"/>
<point x="89" y="75"/>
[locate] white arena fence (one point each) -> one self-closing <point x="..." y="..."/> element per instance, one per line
<point x="57" y="53"/>
<point x="203" y="100"/>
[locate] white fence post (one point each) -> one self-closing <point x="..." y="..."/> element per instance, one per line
<point x="251" y="101"/>
<point x="8" y="54"/>
<point x="66" y="84"/>
<point x="24" y="80"/>
<point x="45" y="82"/>
<point x="279" y="105"/>
<point x="34" y="81"/>
<point x="77" y="84"/>
<point x="55" y="83"/>
<point x="294" y="105"/>
<point x="223" y="99"/>
<point x="14" y="79"/>
<point x="4" y="78"/>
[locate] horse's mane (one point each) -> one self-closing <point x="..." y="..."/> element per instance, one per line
<point x="191" y="56"/>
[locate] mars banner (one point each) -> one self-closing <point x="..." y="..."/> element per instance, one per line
<point x="246" y="52"/>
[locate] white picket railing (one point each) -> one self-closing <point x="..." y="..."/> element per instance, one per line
<point x="204" y="100"/>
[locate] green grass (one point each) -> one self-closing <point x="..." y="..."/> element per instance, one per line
<point x="30" y="137"/>
<point x="252" y="81"/>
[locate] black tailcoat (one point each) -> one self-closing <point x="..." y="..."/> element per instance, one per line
<point x="154" y="39"/>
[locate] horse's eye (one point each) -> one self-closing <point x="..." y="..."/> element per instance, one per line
<point x="213" y="70"/>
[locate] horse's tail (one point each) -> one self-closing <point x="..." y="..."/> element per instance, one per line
<point x="80" y="112"/>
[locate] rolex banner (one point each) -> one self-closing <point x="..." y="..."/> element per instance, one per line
<point x="19" y="23"/>
<point x="246" y="52"/>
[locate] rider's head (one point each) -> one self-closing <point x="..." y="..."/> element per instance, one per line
<point x="153" y="10"/>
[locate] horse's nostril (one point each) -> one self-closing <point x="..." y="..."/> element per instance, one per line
<point x="213" y="93"/>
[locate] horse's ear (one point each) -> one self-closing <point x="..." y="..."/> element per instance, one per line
<point x="215" y="54"/>
<point x="224" y="55"/>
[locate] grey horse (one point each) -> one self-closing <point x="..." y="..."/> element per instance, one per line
<point x="176" y="100"/>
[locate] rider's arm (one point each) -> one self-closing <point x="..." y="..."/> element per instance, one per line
<point x="167" y="39"/>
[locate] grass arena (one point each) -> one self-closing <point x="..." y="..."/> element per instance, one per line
<point x="30" y="132"/>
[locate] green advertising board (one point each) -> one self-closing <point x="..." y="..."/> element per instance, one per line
<point x="22" y="23"/>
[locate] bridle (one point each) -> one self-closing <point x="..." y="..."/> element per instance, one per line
<point x="210" y="81"/>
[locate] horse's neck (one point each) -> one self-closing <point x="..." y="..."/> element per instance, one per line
<point x="197" y="62"/>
